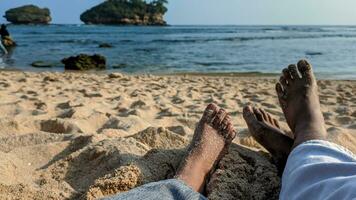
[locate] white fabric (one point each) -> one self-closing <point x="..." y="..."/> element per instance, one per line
<point x="319" y="170"/>
<point x="3" y="48"/>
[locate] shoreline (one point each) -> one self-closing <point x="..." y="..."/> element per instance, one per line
<point x="196" y="74"/>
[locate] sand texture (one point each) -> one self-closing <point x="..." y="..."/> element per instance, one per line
<point x="86" y="136"/>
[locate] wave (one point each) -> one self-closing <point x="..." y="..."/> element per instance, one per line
<point x="231" y="39"/>
<point x="208" y="64"/>
<point x="70" y="41"/>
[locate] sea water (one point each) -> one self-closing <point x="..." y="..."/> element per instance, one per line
<point x="202" y="49"/>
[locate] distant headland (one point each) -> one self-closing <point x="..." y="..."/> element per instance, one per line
<point x="127" y="12"/>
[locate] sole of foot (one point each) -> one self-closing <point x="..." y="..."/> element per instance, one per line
<point x="267" y="132"/>
<point x="212" y="138"/>
<point x="298" y="95"/>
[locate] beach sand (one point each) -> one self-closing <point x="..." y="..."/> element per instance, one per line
<point x="85" y="136"/>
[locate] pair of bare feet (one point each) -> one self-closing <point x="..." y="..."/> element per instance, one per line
<point x="298" y="96"/>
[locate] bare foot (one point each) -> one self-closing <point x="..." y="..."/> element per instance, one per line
<point x="210" y="143"/>
<point x="298" y="96"/>
<point x="266" y="131"/>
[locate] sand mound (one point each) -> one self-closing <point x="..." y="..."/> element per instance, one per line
<point x="244" y="174"/>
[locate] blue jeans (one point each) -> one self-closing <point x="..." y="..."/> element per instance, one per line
<point x="172" y="189"/>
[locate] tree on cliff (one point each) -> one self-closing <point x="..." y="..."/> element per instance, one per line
<point x="158" y="6"/>
<point x="126" y="12"/>
<point x="28" y="14"/>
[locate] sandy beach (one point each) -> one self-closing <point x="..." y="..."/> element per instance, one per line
<point x="86" y="136"/>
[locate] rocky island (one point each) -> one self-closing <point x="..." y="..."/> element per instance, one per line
<point x="28" y="14"/>
<point x="127" y="12"/>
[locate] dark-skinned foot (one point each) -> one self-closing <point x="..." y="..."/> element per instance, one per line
<point x="299" y="99"/>
<point x="266" y="131"/>
<point x="211" y="141"/>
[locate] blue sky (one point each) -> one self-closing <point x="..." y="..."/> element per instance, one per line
<point x="300" y="12"/>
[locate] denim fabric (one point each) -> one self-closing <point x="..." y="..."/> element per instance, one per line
<point x="172" y="189"/>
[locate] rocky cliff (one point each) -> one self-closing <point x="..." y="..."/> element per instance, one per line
<point x="126" y="12"/>
<point x="28" y="14"/>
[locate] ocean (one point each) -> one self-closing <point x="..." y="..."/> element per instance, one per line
<point x="200" y="49"/>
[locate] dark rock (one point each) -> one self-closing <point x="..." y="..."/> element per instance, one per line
<point x="41" y="64"/>
<point x="105" y="45"/>
<point x="313" y="53"/>
<point x="84" y="62"/>
<point x="119" y="66"/>
<point x="28" y="14"/>
<point x="127" y="12"/>
<point x="115" y="75"/>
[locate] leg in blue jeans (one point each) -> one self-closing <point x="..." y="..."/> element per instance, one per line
<point x="173" y="189"/>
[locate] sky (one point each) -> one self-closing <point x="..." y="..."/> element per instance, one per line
<point x="218" y="12"/>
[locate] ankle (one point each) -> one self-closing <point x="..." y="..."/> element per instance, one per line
<point x="309" y="131"/>
<point x="194" y="179"/>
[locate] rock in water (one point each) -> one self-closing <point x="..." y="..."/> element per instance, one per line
<point x="105" y="45"/>
<point x="28" y="14"/>
<point x="127" y="12"/>
<point x="41" y="64"/>
<point x="85" y="62"/>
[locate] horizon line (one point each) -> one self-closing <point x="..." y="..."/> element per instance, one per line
<point x="8" y="23"/>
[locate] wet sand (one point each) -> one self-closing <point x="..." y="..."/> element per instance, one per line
<point x="76" y="135"/>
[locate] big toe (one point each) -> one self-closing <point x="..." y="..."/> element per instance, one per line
<point x="305" y="69"/>
<point x="252" y="120"/>
<point x="209" y="113"/>
<point x="218" y="119"/>
<point x="293" y="72"/>
<point x="248" y="114"/>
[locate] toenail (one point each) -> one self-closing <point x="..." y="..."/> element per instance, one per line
<point x="209" y="112"/>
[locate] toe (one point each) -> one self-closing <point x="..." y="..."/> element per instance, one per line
<point x="264" y="114"/>
<point x="283" y="81"/>
<point x="279" y="90"/>
<point x="286" y="74"/>
<point x="304" y="66"/>
<point x="225" y="122"/>
<point x="276" y="123"/>
<point x="219" y="117"/>
<point x="306" y="70"/>
<point x="209" y="113"/>
<point x="229" y="132"/>
<point x="248" y="114"/>
<point x="281" y="94"/>
<point x="293" y="72"/>
<point x="270" y="118"/>
<point x="258" y="114"/>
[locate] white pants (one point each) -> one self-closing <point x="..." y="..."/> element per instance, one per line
<point x="319" y="170"/>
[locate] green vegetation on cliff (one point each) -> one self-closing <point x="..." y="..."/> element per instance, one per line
<point x="130" y="12"/>
<point x="28" y="14"/>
